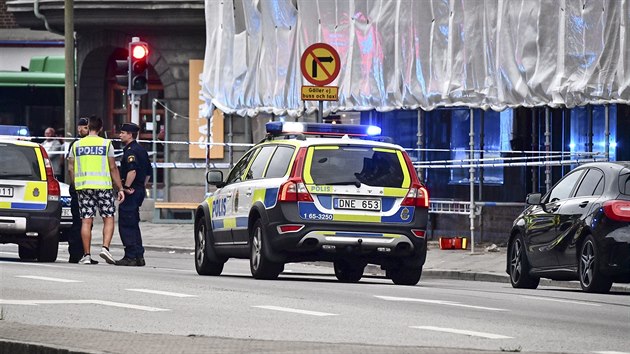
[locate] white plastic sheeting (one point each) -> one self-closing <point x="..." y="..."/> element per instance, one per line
<point x="412" y="54"/>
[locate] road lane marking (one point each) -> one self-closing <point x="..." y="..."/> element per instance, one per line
<point x="438" y="302"/>
<point x="18" y="263"/>
<point x="303" y="312"/>
<point x="158" y="292"/>
<point x="463" y="331"/>
<point x="560" y="300"/>
<point x="81" y="302"/>
<point x="610" y="352"/>
<point x="59" y="280"/>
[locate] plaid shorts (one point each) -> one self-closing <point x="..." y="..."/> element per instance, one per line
<point x="90" y="199"/>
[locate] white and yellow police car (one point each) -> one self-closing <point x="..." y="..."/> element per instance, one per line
<point x="30" y="210"/>
<point x="316" y="192"/>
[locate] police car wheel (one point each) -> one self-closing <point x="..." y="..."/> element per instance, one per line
<point x="48" y="247"/>
<point x="348" y="272"/>
<point x="203" y="252"/>
<point x="260" y="266"/>
<point x="405" y="275"/>
<point x="27" y="252"/>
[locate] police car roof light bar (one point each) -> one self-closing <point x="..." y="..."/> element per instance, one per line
<point x="289" y="128"/>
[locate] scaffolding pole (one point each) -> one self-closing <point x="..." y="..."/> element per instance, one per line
<point x="472" y="182"/>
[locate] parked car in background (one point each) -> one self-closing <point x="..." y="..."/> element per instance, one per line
<point x="66" y="212"/>
<point x="580" y="230"/>
<point x="30" y="210"/>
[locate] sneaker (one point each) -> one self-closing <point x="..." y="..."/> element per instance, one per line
<point x="140" y="261"/>
<point x="126" y="262"/>
<point x="107" y="256"/>
<point x="87" y="259"/>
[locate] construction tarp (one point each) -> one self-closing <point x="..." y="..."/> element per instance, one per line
<point x="411" y="54"/>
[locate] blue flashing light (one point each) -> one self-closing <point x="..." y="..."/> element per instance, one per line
<point x="279" y="128"/>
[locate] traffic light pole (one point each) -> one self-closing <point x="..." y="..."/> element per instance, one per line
<point x="135" y="109"/>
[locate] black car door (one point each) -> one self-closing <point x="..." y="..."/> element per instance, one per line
<point x="543" y="221"/>
<point x="573" y="214"/>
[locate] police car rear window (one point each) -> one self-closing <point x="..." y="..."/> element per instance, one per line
<point x="350" y="164"/>
<point x="624" y="182"/>
<point x="19" y="162"/>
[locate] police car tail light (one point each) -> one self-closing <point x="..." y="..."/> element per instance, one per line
<point x="294" y="190"/>
<point x="417" y="196"/>
<point x="618" y="210"/>
<point x="54" y="190"/>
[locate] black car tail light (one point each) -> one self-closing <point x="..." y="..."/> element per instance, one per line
<point x="618" y="210"/>
<point x="54" y="191"/>
<point x="294" y="190"/>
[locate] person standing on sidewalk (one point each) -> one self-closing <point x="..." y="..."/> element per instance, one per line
<point x="135" y="171"/>
<point x="93" y="170"/>
<point x="55" y="151"/>
<point x="75" y="247"/>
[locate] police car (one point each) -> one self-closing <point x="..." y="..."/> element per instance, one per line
<point x="316" y="192"/>
<point x="30" y="210"/>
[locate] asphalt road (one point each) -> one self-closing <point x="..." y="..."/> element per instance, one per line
<point x="308" y="304"/>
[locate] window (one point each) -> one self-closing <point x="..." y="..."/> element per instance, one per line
<point x="563" y="189"/>
<point x="592" y="184"/>
<point x="280" y="162"/>
<point x="624" y="183"/>
<point x="349" y="165"/>
<point x="260" y="162"/>
<point x="17" y="162"/>
<point x="237" y="172"/>
<point x="580" y="129"/>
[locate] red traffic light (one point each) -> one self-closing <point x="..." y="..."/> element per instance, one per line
<point x="139" y="51"/>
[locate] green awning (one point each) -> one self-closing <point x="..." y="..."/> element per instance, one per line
<point x="27" y="78"/>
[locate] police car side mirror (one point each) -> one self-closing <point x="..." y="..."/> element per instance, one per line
<point x="215" y="178"/>
<point x="534" y="199"/>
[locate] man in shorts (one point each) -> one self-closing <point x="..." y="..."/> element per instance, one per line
<point x="94" y="173"/>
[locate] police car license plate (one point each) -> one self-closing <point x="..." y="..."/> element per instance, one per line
<point x="66" y="213"/>
<point x="6" y="191"/>
<point x="357" y="204"/>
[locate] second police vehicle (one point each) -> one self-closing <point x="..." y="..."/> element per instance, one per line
<point x="316" y="192"/>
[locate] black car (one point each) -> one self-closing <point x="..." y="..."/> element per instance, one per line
<point x="580" y="230"/>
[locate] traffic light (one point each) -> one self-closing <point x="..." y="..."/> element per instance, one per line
<point x="138" y="67"/>
<point x="122" y="72"/>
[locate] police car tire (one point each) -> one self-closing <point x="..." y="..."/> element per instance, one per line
<point x="348" y="272"/>
<point x="204" y="252"/>
<point x="260" y="266"/>
<point x="48" y="247"/>
<point x="405" y="275"/>
<point x="27" y="252"/>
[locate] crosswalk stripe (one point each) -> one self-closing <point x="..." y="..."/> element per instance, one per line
<point x="303" y="312"/>
<point x="463" y="331"/>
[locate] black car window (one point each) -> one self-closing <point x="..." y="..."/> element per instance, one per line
<point x="592" y="184"/>
<point x="563" y="189"/>
<point x="624" y="183"/>
<point x="280" y="162"/>
<point x="19" y="162"/>
<point x="349" y="165"/>
<point x="260" y="162"/>
<point x="237" y="172"/>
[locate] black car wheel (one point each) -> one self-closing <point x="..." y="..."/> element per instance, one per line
<point x="48" y="246"/>
<point x="204" y="252"/>
<point x="260" y="266"/>
<point x="405" y="275"/>
<point x="519" y="266"/>
<point x="591" y="279"/>
<point x="348" y="272"/>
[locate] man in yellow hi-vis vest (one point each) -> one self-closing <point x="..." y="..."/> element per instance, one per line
<point x="94" y="172"/>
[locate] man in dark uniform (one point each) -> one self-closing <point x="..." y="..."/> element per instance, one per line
<point x="75" y="247"/>
<point x="135" y="171"/>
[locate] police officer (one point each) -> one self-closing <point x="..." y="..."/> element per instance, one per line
<point x="135" y="171"/>
<point x="75" y="248"/>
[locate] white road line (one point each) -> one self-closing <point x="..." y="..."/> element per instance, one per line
<point x="303" y="312"/>
<point x="610" y="352"/>
<point x="81" y="302"/>
<point x="438" y="302"/>
<point x="59" y="280"/>
<point x="158" y="292"/>
<point x="463" y="331"/>
<point x="34" y="264"/>
<point x="560" y="300"/>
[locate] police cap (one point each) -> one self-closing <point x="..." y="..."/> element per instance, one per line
<point x="130" y="127"/>
<point x="82" y="121"/>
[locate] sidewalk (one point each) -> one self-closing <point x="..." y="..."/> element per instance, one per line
<point x="482" y="265"/>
